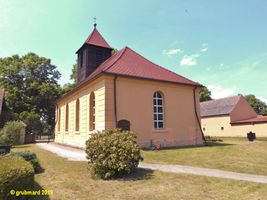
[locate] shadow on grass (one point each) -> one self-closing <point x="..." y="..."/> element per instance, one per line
<point x="37" y="187"/>
<point x="209" y="144"/>
<point x="20" y="146"/>
<point x="139" y="174"/>
<point x="39" y="170"/>
<point x="217" y="144"/>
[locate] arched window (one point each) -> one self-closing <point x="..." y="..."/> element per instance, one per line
<point x="92" y="111"/>
<point x="77" y="125"/>
<point x="58" y="123"/>
<point x="67" y="118"/>
<point x="158" y="110"/>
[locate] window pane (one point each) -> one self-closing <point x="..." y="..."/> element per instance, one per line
<point x="159" y="101"/>
<point x="155" y="125"/>
<point x="155" y="109"/>
<point x="154" y="102"/>
<point x="160" y="125"/>
<point x="160" y="116"/>
<point x="155" y="94"/>
<point x="160" y="109"/>
<point x="155" y="116"/>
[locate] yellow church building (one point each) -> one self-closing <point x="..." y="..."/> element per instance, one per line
<point x="127" y="91"/>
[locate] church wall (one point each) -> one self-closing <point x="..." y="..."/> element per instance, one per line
<point x="135" y="103"/>
<point x="72" y="137"/>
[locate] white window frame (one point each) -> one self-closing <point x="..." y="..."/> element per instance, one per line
<point x="156" y="97"/>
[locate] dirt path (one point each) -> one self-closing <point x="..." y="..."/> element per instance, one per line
<point x="79" y="155"/>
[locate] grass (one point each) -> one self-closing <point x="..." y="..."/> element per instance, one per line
<point x="233" y="154"/>
<point x="72" y="180"/>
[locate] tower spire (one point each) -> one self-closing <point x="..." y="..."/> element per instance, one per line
<point x="95" y="22"/>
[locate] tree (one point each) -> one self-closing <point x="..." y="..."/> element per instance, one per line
<point x="74" y="74"/>
<point x="259" y="106"/>
<point x="74" y="77"/>
<point x="31" y="88"/>
<point x="205" y="94"/>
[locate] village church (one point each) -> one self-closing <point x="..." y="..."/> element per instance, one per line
<point x="127" y="91"/>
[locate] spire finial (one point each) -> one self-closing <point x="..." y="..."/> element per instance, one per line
<point x="94" y="22"/>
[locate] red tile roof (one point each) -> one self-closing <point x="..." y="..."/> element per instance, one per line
<point x="95" y="38"/>
<point x="127" y="62"/>
<point x="258" y="119"/>
<point x="2" y="93"/>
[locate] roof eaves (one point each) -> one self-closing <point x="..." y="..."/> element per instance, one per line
<point x="151" y="79"/>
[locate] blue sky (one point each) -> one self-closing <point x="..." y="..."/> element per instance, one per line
<point x="221" y="44"/>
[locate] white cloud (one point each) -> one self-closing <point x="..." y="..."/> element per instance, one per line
<point x="189" y="60"/>
<point x="263" y="99"/>
<point x="171" y="52"/>
<point x="218" y="92"/>
<point x="204" y="47"/>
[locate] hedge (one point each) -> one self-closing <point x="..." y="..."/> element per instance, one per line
<point x="12" y="133"/>
<point x="30" y="157"/>
<point x="15" y="174"/>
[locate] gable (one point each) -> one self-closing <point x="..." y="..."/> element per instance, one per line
<point x="242" y="111"/>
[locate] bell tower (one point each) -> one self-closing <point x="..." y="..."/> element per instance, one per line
<point x="91" y="54"/>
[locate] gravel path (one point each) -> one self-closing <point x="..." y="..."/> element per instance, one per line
<point x="64" y="151"/>
<point x="79" y="155"/>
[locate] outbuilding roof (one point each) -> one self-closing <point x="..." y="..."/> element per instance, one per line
<point x="217" y="107"/>
<point x="258" y="119"/>
<point x="2" y="93"/>
<point x="127" y="62"/>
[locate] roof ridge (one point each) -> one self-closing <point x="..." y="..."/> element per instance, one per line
<point x="239" y="96"/>
<point x="122" y="51"/>
<point x="161" y="66"/>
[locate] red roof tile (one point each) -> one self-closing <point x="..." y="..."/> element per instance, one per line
<point x="258" y="119"/>
<point x="95" y="38"/>
<point x="127" y="62"/>
<point x="1" y="99"/>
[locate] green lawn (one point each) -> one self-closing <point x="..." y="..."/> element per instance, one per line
<point x="233" y="154"/>
<point x="72" y="180"/>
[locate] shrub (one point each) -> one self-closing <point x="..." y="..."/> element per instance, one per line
<point x="30" y="157"/>
<point x="112" y="153"/>
<point x="11" y="133"/>
<point x="15" y="174"/>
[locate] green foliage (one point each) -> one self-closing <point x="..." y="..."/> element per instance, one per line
<point x="114" y="51"/>
<point x="30" y="84"/>
<point x="205" y="94"/>
<point x="259" y="106"/>
<point x="32" y="120"/>
<point x="15" y="174"/>
<point x="69" y="86"/>
<point x="74" y="74"/>
<point x="11" y="133"/>
<point x="30" y="157"/>
<point x="112" y="153"/>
